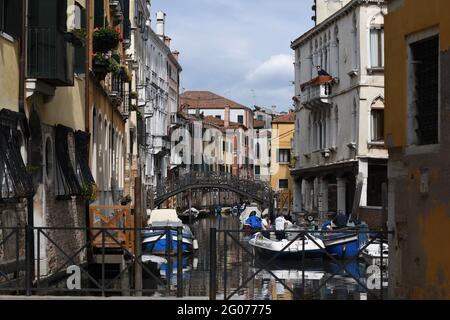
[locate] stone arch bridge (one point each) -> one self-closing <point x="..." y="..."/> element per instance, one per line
<point x="256" y="191"/>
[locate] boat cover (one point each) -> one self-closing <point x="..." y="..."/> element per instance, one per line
<point x="164" y="218"/>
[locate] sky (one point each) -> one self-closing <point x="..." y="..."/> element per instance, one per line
<point x="239" y="49"/>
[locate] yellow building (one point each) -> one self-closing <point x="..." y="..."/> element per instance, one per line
<point x="283" y="129"/>
<point x="417" y="125"/>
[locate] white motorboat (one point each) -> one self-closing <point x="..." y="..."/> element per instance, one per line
<point x="268" y="247"/>
<point x="290" y="274"/>
<point x="372" y="254"/>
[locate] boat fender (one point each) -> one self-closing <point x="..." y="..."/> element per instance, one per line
<point x="195" y="244"/>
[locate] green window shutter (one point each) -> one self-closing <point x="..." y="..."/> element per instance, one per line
<point x="99" y="14"/>
<point x="2" y="14"/>
<point x="12" y="17"/>
<point x="80" y="52"/>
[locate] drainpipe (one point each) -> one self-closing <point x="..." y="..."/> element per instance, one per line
<point x="87" y="104"/>
<point x="29" y="231"/>
<point x="23" y="52"/>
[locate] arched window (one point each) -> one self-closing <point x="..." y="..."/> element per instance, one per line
<point x="377" y="41"/>
<point x="336" y="125"/>
<point x="100" y="153"/>
<point x="355" y="42"/>
<point x="105" y="155"/>
<point x="354" y="121"/>
<point x="310" y="128"/>
<point x="94" y="144"/>
<point x="377" y="120"/>
<point x="337" y="48"/>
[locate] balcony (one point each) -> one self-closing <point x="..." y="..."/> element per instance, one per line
<point x="317" y="92"/>
<point x="116" y="7"/>
<point x="50" y="57"/>
<point x="117" y="88"/>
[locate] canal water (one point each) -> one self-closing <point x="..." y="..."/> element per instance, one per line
<point x="317" y="279"/>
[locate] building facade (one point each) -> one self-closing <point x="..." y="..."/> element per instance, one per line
<point x="283" y="128"/>
<point x="158" y="98"/>
<point x="340" y="113"/>
<point x="417" y="126"/>
<point x="262" y="126"/>
<point x="236" y="120"/>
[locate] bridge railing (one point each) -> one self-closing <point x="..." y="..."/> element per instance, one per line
<point x="257" y="190"/>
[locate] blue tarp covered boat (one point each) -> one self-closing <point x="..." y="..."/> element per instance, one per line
<point x="342" y="241"/>
<point x="157" y="241"/>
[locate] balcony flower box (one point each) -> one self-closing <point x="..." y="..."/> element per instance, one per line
<point x="105" y="39"/>
<point x="104" y="63"/>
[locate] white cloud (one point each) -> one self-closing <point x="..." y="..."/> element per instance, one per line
<point x="277" y="67"/>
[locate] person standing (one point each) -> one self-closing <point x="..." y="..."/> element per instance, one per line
<point x="280" y="227"/>
<point x="266" y="226"/>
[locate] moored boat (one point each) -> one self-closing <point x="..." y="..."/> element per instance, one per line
<point x="372" y="254"/>
<point x="163" y="234"/>
<point x="268" y="248"/>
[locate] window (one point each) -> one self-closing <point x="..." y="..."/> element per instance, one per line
<point x="240" y="119"/>
<point x="283" y="184"/>
<point x="80" y="52"/>
<point x="284" y="155"/>
<point x="354" y="122"/>
<point x="377" y="121"/>
<point x="425" y="72"/>
<point x="10" y="17"/>
<point x="355" y="42"/>
<point x="260" y="117"/>
<point x="377" y="47"/>
<point x="219" y="117"/>
<point x="99" y="14"/>
<point x="257" y="170"/>
<point x="258" y="151"/>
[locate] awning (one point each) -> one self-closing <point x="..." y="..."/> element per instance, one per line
<point x="15" y="181"/>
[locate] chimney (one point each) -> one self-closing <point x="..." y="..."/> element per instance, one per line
<point x="227" y="117"/>
<point x="167" y="41"/>
<point x="161" y="25"/>
<point x="176" y="54"/>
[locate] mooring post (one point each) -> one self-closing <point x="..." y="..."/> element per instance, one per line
<point x="29" y="243"/>
<point x="212" y="264"/>
<point x="180" y="262"/>
<point x="137" y="236"/>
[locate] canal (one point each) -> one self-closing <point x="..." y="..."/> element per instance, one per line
<point x="322" y="278"/>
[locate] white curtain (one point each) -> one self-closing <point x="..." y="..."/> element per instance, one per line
<point x="374" y="48"/>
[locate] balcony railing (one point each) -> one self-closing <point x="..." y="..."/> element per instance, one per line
<point x="50" y="57"/>
<point x="316" y="92"/>
<point x="116" y="92"/>
<point x="125" y="107"/>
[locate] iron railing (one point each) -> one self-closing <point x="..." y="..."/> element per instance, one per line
<point x="259" y="264"/>
<point x="258" y="191"/>
<point x="58" y="265"/>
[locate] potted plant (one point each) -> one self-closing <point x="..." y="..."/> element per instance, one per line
<point x="77" y="37"/>
<point x="105" y="39"/>
<point x="125" y="73"/>
<point x="103" y="63"/>
<point x="125" y="200"/>
<point x="134" y="95"/>
<point x="89" y="191"/>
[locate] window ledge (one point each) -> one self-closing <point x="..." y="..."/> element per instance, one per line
<point x="375" y="144"/>
<point x="6" y="36"/>
<point x="416" y="150"/>
<point x="372" y="70"/>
